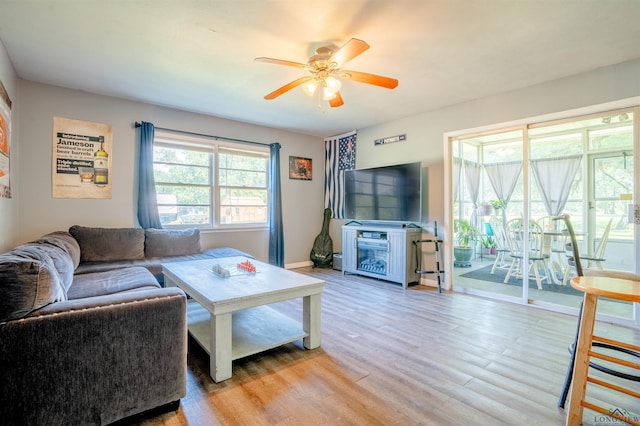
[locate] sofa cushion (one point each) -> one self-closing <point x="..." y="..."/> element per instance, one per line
<point x="59" y="257"/>
<point x="165" y="242"/>
<point x="65" y="241"/>
<point x="111" y="282"/>
<point x="154" y="264"/>
<point x="27" y="284"/>
<point x="109" y="244"/>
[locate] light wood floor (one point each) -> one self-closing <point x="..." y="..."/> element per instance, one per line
<point x="396" y="357"/>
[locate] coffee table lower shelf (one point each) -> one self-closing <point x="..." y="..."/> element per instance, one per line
<point x="254" y="330"/>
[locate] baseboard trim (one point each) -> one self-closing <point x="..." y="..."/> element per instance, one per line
<point x="298" y="265"/>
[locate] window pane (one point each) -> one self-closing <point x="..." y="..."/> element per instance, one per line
<point x="554" y="146"/>
<point x="614" y="176"/>
<point x="184" y="173"/>
<point x="243" y="178"/>
<point x="194" y="215"/>
<point x="242" y="161"/>
<point x="182" y="205"/>
<point x="192" y="195"/>
<point x="165" y="173"/>
<point x="613" y="180"/>
<point x="163" y="154"/>
<point x="620" y="136"/>
<point x="167" y="208"/>
<point x="241" y="169"/>
<point x="502" y="153"/>
<point x="243" y="206"/>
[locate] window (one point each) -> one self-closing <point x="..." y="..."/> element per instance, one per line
<point x="209" y="184"/>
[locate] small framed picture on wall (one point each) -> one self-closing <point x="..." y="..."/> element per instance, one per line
<point x="300" y="168"/>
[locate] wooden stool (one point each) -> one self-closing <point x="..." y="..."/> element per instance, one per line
<point x="594" y="287"/>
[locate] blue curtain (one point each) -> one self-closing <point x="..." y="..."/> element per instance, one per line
<point x="276" y="234"/>
<point x="148" y="215"/>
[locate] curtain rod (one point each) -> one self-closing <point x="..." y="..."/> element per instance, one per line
<point x="138" y="124"/>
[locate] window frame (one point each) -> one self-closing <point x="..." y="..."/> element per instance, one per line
<point x="213" y="146"/>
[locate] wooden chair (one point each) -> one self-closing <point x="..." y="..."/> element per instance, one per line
<point x="547" y="223"/>
<point x="594" y="259"/>
<point x="516" y="238"/>
<point x="595" y="341"/>
<point x="597" y="257"/>
<point x="502" y="248"/>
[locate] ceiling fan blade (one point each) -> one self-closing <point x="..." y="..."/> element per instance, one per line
<point x="281" y="62"/>
<point x="350" y="50"/>
<point x="287" y="87"/>
<point x="336" y="101"/>
<point x="376" y="80"/>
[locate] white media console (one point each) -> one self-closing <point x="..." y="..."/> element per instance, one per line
<point x="385" y="252"/>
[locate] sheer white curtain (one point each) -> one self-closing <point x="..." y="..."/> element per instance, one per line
<point x="472" y="179"/>
<point x="503" y="178"/>
<point x="554" y="177"/>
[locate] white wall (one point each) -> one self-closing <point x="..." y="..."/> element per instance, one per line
<point x="9" y="206"/>
<point x="425" y="131"/>
<point x="302" y="200"/>
<point x="598" y="90"/>
<point x="40" y="213"/>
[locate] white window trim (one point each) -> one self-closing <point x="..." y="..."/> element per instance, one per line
<point x="213" y="145"/>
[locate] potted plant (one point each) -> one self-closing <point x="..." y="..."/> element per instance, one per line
<point x="464" y="234"/>
<point x="498" y="205"/>
<point x="488" y="244"/>
<point x="485" y="209"/>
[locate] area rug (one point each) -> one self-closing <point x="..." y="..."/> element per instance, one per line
<point x="499" y="275"/>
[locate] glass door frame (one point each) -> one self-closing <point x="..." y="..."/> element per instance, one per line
<point x="593" y="199"/>
<point x="454" y="137"/>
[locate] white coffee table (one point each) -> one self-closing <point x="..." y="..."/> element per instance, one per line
<point x="229" y="318"/>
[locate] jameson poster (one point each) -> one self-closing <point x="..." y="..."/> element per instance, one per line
<point x="5" y="141"/>
<point x="81" y="166"/>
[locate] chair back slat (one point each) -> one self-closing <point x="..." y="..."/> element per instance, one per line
<point x="574" y="242"/>
<point x="598" y="253"/>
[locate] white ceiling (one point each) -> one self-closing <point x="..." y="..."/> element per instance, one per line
<point x="198" y="55"/>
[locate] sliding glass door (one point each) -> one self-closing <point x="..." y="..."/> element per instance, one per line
<point x="488" y="181"/>
<point x="512" y="183"/>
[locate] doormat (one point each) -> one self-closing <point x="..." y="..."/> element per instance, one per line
<point x="498" y="276"/>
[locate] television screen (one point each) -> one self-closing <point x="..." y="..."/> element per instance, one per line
<point x="389" y="194"/>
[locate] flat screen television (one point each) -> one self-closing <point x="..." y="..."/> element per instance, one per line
<point x="386" y="194"/>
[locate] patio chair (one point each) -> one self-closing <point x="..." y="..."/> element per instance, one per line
<point x="502" y="248"/>
<point x="547" y="223"/>
<point x="597" y="257"/>
<point x="516" y="239"/>
<point x="593" y="259"/>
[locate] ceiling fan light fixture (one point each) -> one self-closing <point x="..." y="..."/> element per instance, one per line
<point x="327" y="94"/>
<point x="327" y="73"/>
<point x="333" y="84"/>
<point x="310" y="87"/>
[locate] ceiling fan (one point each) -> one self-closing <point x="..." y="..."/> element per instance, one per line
<point x="326" y="73"/>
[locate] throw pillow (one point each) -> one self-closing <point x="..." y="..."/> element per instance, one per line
<point x="165" y="242"/>
<point x="65" y="241"/>
<point x="109" y="244"/>
<point x="46" y="252"/>
<point x="27" y="285"/>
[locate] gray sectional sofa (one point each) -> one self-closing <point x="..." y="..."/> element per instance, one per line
<point x="87" y="333"/>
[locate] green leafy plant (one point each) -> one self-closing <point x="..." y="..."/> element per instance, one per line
<point x="488" y="241"/>
<point x="498" y="204"/>
<point x="464" y="232"/>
